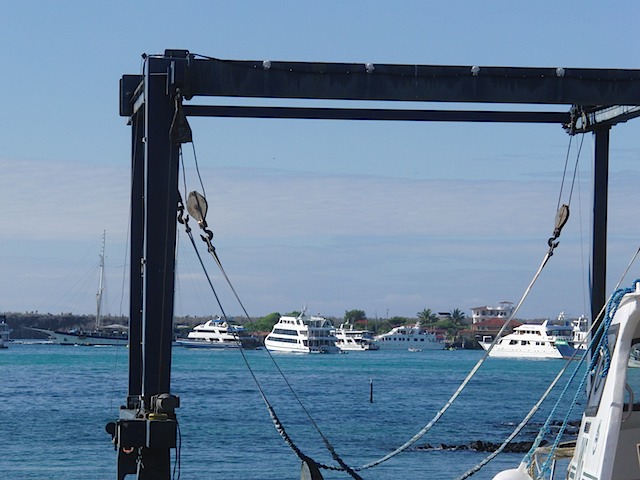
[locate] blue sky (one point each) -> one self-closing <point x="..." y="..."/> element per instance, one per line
<point x="389" y="218"/>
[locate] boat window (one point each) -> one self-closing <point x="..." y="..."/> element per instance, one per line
<point x="598" y="378"/>
<point x="632" y="392"/>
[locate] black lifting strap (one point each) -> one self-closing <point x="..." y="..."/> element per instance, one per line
<point x="180" y="131"/>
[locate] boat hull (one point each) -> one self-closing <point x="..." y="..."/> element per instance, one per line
<point x="568" y="351"/>
<point x="206" y="344"/>
<point x="409" y="345"/>
<point x="500" y="351"/>
<point x="89" y="339"/>
<point x="277" y="347"/>
<point x="249" y="344"/>
<point x="348" y="347"/>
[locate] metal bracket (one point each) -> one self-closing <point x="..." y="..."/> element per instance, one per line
<point x="178" y="73"/>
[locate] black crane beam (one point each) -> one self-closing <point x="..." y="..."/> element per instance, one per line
<point x="410" y="83"/>
<point x="317" y="113"/>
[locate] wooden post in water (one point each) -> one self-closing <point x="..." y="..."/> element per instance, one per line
<point x="371" y="390"/>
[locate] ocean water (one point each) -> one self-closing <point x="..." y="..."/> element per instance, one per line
<point x="56" y="400"/>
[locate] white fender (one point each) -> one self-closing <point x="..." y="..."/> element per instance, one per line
<point x="519" y="473"/>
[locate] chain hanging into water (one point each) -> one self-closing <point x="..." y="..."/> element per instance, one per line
<point x="197" y="207"/>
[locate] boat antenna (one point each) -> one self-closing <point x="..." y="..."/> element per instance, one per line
<point x="100" y="284"/>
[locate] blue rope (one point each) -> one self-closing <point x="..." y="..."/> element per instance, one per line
<point x="545" y="428"/>
<point x="603" y="347"/>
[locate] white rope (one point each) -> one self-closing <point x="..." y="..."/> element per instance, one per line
<point x="462" y="386"/>
<point x="519" y="428"/>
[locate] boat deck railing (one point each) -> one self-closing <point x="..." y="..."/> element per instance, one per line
<point x="564" y="452"/>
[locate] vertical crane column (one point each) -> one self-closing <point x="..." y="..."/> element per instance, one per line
<point x="147" y="429"/>
<point x="599" y="239"/>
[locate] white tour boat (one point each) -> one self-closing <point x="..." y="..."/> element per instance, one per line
<point x="349" y="339"/>
<point x="302" y="334"/>
<point x="532" y="341"/>
<point x="5" y="331"/>
<point x="608" y="443"/>
<point x="218" y="333"/>
<point x="405" y="337"/>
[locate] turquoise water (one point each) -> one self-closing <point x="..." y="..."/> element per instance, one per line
<point x="56" y="401"/>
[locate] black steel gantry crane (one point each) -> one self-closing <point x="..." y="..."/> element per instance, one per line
<point x="156" y="105"/>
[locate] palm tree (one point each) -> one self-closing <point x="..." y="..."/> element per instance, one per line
<point x="457" y="316"/>
<point x="426" y="316"/>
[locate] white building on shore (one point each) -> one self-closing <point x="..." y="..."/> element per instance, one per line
<point x="502" y="312"/>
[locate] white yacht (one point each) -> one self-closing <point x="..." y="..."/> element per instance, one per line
<point x="349" y="339"/>
<point x="5" y="331"/>
<point x="532" y="341"/>
<point x="412" y="338"/>
<point x="302" y="334"/>
<point x="218" y="333"/>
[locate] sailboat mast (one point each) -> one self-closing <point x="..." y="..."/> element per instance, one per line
<point x="100" y="284"/>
